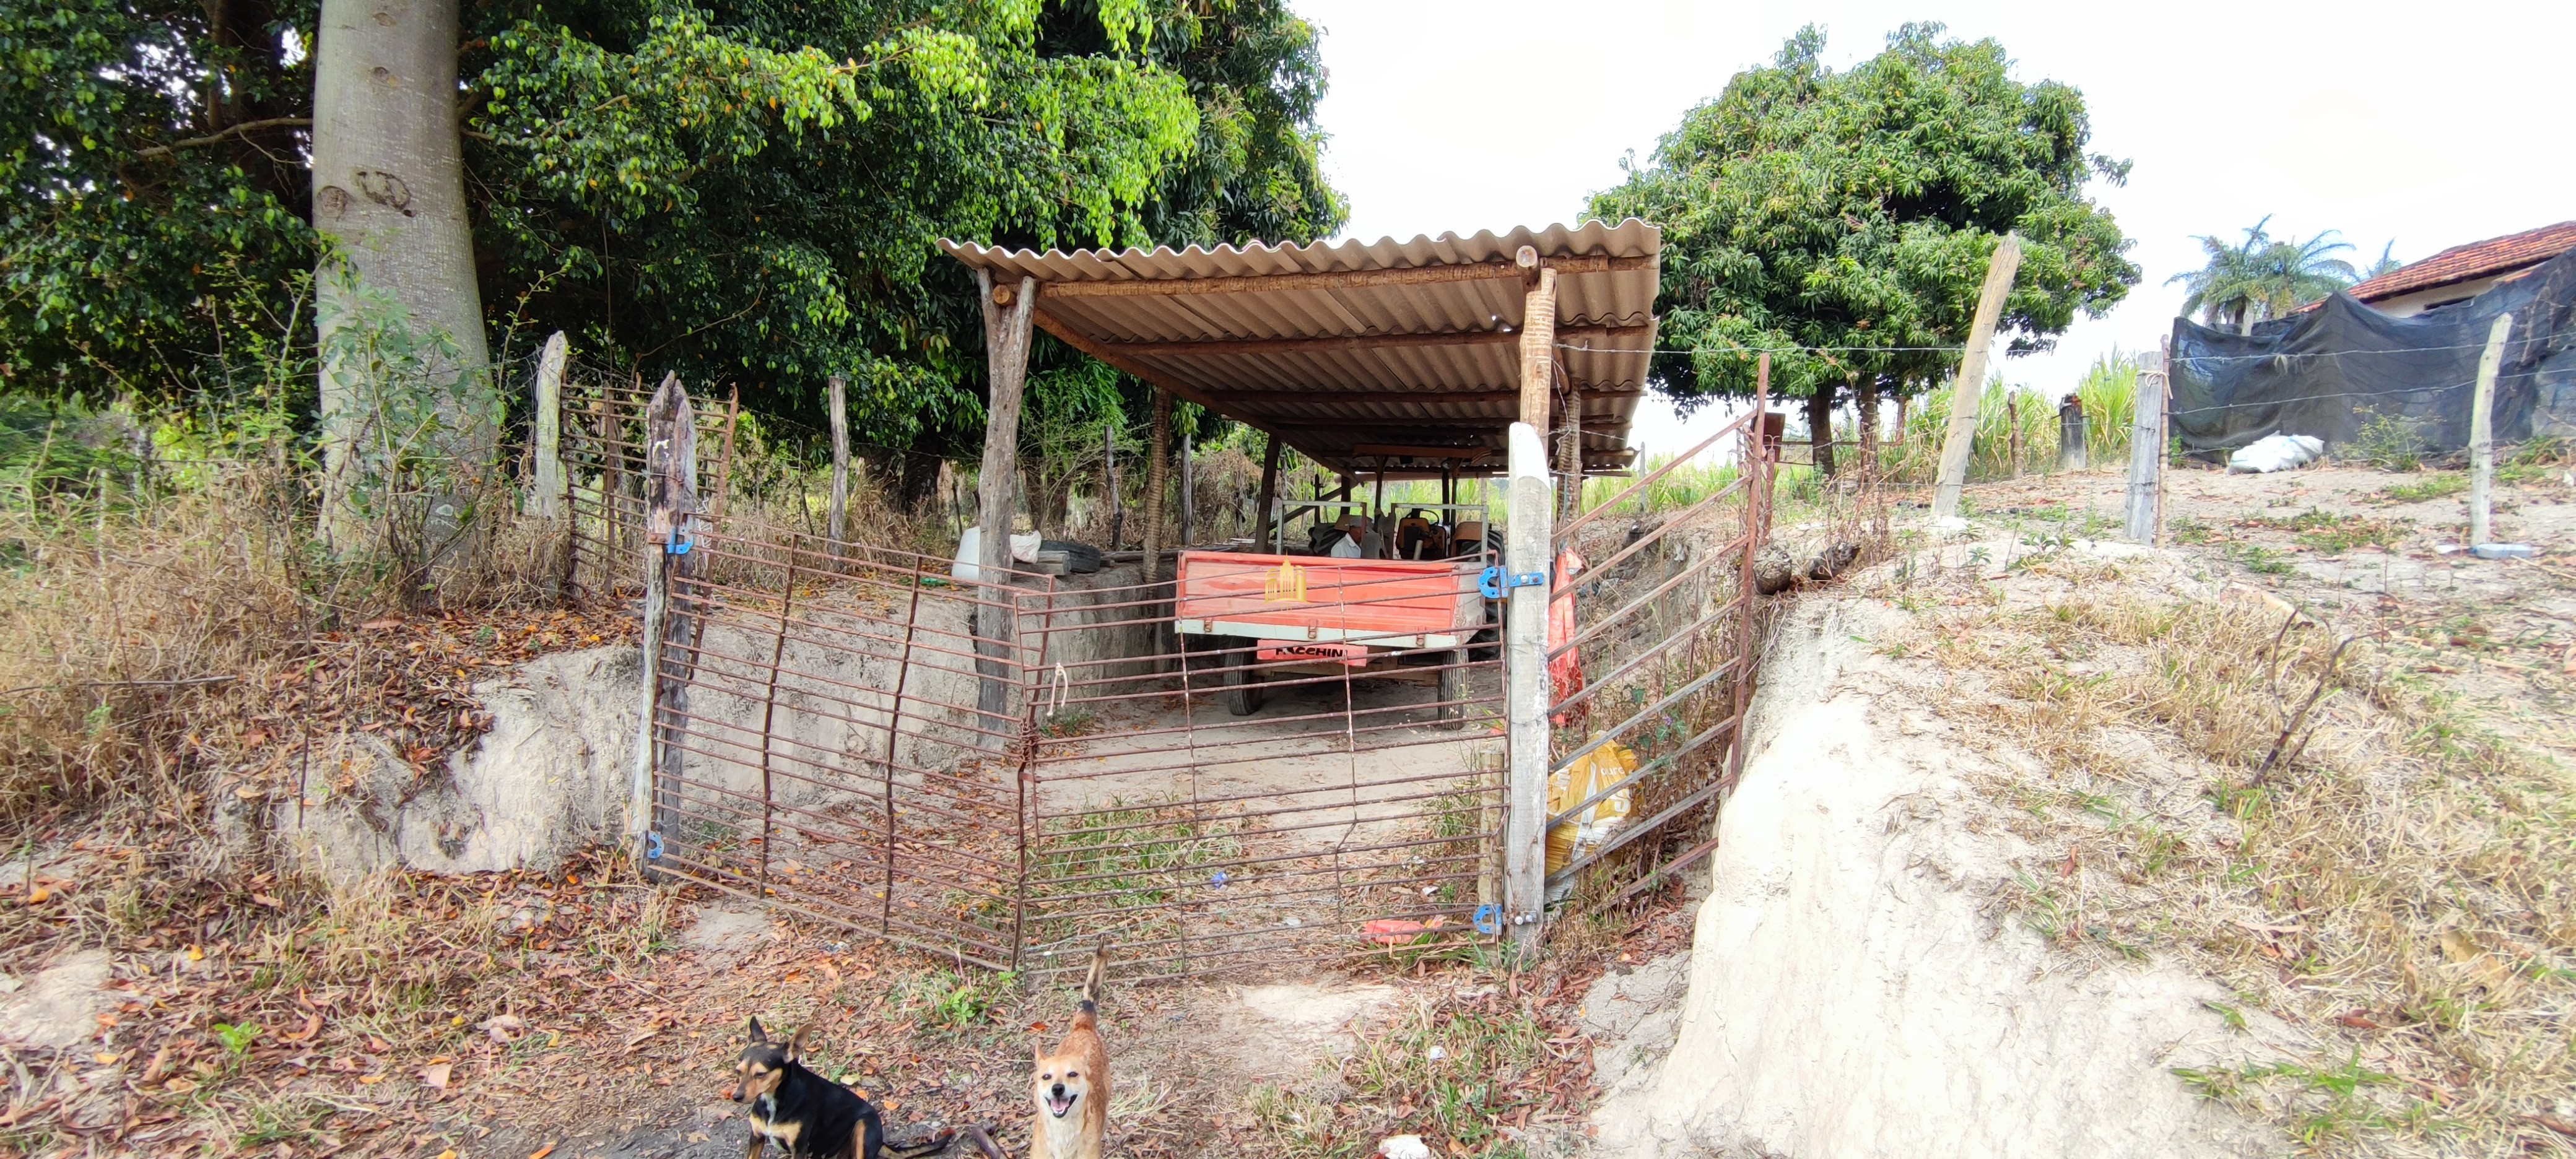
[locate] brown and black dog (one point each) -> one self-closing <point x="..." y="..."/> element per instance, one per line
<point x="1071" y="1087"/>
<point x="806" y="1114"/>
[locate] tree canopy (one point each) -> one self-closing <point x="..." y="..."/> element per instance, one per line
<point x="1843" y="220"/>
<point x="745" y="191"/>
<point x="2268" y="277"/>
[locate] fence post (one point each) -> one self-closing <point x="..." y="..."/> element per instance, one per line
<point x="1263" y="516"/>
<point x="670" y="502"/>
<point x="2482" y="434"/>
<point x="1525" y="709"/>
<point x="2072" y="454"/>
<point x="2147" y="451"/>
<point x="836" y="395"/>
<point x="1961" y="440"/>
<point x="547" y="499"/>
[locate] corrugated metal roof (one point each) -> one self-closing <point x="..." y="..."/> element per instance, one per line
<point x="1337" y="346"/>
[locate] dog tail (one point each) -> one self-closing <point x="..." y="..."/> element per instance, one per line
<point x="1091" y="980"/>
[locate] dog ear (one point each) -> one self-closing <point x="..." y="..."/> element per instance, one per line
<point x="796" y="1045"/>
<point x="757" y="1034"/>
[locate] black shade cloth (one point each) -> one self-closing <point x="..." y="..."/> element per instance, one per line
<point x="2329" y="371"/>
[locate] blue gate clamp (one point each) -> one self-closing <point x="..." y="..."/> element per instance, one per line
<point x="652" y="846"/>
<point x="1489" y="919"/>
<point x="681" y="541"/>
<point x="1493" y="582"/>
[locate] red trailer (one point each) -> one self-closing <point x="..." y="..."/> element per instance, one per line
<point x="1318" y="615"/>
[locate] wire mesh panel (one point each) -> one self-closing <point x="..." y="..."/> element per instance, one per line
<point x="1651" y="635"/>
<point x="1206" y="800"/>
<point x="830" y="750"/>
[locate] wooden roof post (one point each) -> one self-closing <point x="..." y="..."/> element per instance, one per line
<point x="1006" y="354"/>
<point x="1158" y="475"/>
<point x="1261" y="519"/>
<point x="1538" y="339"/>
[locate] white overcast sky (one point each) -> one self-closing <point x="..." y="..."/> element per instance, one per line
<point x="2425" y="124"/>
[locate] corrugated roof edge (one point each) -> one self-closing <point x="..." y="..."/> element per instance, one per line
<point x="1628" y="239"/>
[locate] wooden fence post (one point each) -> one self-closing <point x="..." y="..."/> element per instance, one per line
<point x="670" y="507"/>
<point x="2072" y="452"/>
<point x="836" y="397"/>
<point x="1961" y="439"/>
<point x="1189" y="497"/>
<point x="2482" y="434"/>
<point x="1111" y="492"/>
<point x="547" y="498"/>
<point x="1525" y="553"/>
<point x="724" y="458"/>
<point x="2147" y="452"/>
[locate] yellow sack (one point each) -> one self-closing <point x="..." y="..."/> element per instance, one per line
<point x="1610" y="764"/>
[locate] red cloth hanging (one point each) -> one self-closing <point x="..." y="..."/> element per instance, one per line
<point x="1565" y="672"/>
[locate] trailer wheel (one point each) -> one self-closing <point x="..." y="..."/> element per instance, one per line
<point x="1242" y="684"/>
<point x="1453" y="688"/>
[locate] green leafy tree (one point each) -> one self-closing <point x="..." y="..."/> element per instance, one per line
<point x="1842" y="220"/>
<point x="2266" y="277"/>
<point x="747" y="192"/>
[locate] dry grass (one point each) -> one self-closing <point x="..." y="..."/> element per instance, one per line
<point x="2393" y="884"/>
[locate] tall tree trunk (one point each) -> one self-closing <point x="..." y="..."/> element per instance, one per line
<point x="401" y="319"/>
<point x="1867" y="404"/>
<point x="1820" y="427"/>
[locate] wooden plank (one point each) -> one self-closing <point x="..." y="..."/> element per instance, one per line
<point x="2482" y="434"/>
<point x="1971" y="382"/>
<point x="1337" y="279"/>
<point x="1211" y="347"/>
<point x="1401" y="451"/>
<point x="1329" y="395"/>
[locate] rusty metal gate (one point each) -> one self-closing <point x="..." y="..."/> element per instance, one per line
<point x="831" y="734"/>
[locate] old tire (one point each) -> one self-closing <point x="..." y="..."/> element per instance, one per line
<point x="1242" y="684"/>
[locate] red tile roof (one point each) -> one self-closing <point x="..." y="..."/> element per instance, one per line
<point x="2474" y="260"/>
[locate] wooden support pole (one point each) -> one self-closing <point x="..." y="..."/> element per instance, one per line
<point x="1865" y="407"/>
<point x="1263" y="525"/>
<point x="670" y="509"/>
<point x="1538" y="341"/>
<point x="1189" y="497"/>
<point x="2482" y="434"/>
<point x="1961" y="439"/>
<point x="1006" y="360"/>
<point x="1569" y="463"/>
<point x="549" y="493"/>
<point x="2147" y="452"/>
<point x="1111" y="492"/>
<point x="724" y="458"/>
<point x="1158" y="478"/>
<point x="1525" y="552"/>
<point x="2012" y="433"/>
<point x="836" y="400"/>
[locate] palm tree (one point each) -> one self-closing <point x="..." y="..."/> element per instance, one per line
<point x="2387" y="263"/>
<point x="2264" y="278"/>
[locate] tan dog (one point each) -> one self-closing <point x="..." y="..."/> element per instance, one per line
<point x="1071" y="1088"/>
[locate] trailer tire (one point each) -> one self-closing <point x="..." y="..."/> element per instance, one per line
<point x="1242" y="683"/>
<point x="1453" y="688"/>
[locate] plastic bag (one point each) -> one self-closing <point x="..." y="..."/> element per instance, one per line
<point x="1610" y="764"/>
<point x="2276" y="453"/>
